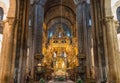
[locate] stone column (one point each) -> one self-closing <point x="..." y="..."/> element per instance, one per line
<point x="116" y="48"/>
<point x="97" y="36"/>
<point x="81" y="27"/>
<point x="38" y="31"/>
<point x="6" y="59"/>
<point x="38" y="27"/>
<point x="86" y="28"/>
<point x="113" y="57"/>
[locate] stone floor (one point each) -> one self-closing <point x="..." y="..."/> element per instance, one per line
<point x="68" y="81"/>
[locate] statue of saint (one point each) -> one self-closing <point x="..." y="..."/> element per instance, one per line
<point x="60" y="64"/>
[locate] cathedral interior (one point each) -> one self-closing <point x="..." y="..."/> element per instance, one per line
<point x="59" y="41"/>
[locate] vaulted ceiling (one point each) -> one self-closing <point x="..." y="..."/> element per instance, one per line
<point x="64" y="9"/>
<point x="51" y="3"/>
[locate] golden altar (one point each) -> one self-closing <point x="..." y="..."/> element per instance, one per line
<point x="60" y="53"/>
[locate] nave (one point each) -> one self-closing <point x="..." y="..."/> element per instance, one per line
<point x="55" y="40"/>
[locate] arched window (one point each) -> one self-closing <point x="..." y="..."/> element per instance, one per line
<point x="118" y="13"/>
<point x="118" y="18"/>
<point x="1" y="13"/>
<point x="118" y="31"/>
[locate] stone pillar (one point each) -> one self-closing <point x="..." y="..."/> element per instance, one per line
<point x="112" y="48"/>
<point x="38" y="27"/>
<point x="38" y="31"/>
<point x="98" y="45"/>
<point x="21" y="41"/>
<point x="81" y="27"/>
<point x="116" y="48"/>
<point x="86" y="28"/>
<point x="7" y="58"/>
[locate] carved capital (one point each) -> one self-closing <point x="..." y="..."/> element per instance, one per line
<point x="11" y="20"/>
<point x="39" y="56"/>
<point x="80" y="56"/>
<point x="117" y="24"/>
<point x="109" y="18"/>
<point x="2" y="23"/>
